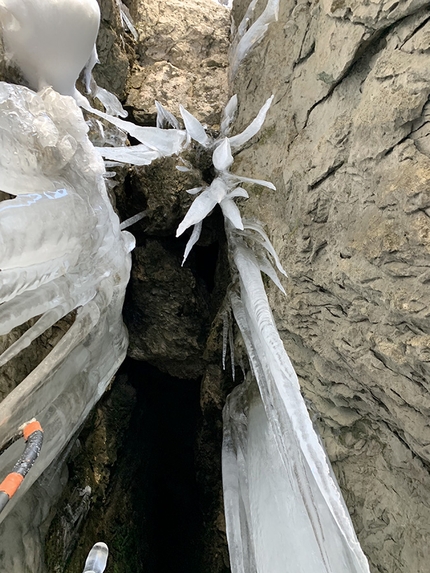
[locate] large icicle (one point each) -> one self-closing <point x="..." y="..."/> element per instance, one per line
<point x="284" y="510"/>
<point x="293" y="508"/>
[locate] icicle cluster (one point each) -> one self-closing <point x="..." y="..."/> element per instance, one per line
<point x="61" y="249"/>
<point x="284" y="510"/>
<point x="225" y="187"/>
<point x="61" y="245"/>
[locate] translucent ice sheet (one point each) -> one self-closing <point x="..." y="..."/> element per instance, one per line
<point x="61" y="249"/>
<point x="284" y="510"/>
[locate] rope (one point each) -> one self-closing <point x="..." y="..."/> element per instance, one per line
<point x="33" y="435"/>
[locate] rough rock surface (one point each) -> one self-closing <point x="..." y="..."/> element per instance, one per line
<point x="167" y="312"/>
<point x="114" y="50"/>
<point x="346" y="144"/>
<point x="93" y="485"/>
<point x="169" y="309"/>
<point x="181" y="58"/>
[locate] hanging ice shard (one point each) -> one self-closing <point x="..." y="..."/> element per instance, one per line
<point x="249" y="36"/>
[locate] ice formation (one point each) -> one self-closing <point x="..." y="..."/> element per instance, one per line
<point x="97" y="558"/>
<point x="154" y="141"/>
<point x="126" y="19"/>
<point x="224" y="188"/>
<point x="61" y="250"/>
<point x="62" y="247"/>
<point x="247" y="36"/>
<point x="284" y="510"/>
<point x="51" y="40"/>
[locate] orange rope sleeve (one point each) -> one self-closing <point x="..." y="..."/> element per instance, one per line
<point x="30" y="428"/>
<point x="11" y="483"/>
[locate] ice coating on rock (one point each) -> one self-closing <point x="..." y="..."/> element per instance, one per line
<point x="50" y="40"/>
<point x="61" y="249"/>
<point x="126" y="19"/>
<point x="97" y="558"/>
<point x="154" y="141"/>
<point x="284" y="511"/>
<point x="253" y="128"/>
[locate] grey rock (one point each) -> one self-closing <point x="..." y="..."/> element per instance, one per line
<point x="346" y="143"/>
<point x="181" y="58"/>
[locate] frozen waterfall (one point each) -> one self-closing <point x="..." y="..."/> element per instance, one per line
<point x="62" y="250"/>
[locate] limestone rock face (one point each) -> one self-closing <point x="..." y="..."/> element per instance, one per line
<point x="167" y="312"/>
<point x="181" y="58"/>
<point x="112" y="50"/>
<point x="346" y="143"/>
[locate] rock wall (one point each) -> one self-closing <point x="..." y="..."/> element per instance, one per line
<point x="180" y="57"/>
<point x="346" y="144"/>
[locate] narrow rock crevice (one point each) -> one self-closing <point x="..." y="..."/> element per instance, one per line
<point x="137" y="454"/>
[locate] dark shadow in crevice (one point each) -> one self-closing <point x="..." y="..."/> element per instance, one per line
<point x="204" y="264"/>
<point x="165" y="490"/>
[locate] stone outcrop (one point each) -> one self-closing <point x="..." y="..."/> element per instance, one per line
<point x="114" y="50"/>
<point x="181" y="58"/>
<point x="345" y="142"/>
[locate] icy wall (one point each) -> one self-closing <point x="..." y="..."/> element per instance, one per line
<point x="63" y="250"/>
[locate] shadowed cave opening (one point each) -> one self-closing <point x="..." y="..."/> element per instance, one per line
<point x="149" y="453"/>
<point x="163" y="434"/>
